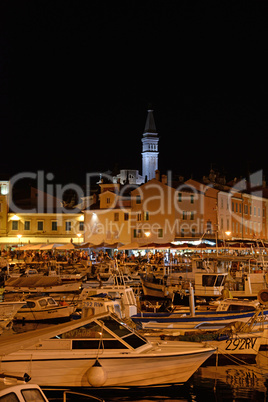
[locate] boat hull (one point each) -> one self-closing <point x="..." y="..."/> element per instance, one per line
<point x="163" y="367"/>
<point x="54" y="313"/>
<point x="186" y="321"/>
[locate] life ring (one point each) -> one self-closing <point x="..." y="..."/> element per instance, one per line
<point x="263" y="297"/>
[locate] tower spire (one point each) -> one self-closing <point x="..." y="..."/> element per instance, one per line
<point x="150" y="124"/>
<point x="149" y="148"/>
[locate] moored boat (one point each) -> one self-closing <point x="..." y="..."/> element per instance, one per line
<point x="100" y="351"/>
<point x="221" y="313"/>
<point x="43" y="308"/>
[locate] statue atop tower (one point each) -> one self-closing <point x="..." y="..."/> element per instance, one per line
<point x="149" y="148"/>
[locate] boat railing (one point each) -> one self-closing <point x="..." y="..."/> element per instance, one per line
<point x="90" y="397"/>
<point x="72" y="394"/>
<point x="148" y="305"/>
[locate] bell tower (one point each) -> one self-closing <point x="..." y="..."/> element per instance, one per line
<point x="149" y="148"/>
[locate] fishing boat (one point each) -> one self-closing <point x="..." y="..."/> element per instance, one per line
<point x="117" y="293"/>
<point x="236" y="340"/>
<point x="218" y="313"/>
<point x="7" y="313"/>
<point x="100" y="351"/>
<point x="42" y="308"/>
<point x="244" y="275"/>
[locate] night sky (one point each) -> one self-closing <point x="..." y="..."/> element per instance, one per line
<point x="77" y="78"/>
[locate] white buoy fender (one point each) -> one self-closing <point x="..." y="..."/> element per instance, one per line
<point x="96" y="375"/>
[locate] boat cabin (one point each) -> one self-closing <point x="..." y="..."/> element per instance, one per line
<point x="237" y="305"/>
<point x="209" y="284"/>
<point x="39" y="303"/>
<point x="120" y="293"/>
<point x="99" y="304"/>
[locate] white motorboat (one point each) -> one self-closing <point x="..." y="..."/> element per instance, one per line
<point x="13" y="389"/>
<point x="7" y="313"/>
<point x="21" y="392"/>
<point x="100" y="351"/>
<point x="43" y="308"/>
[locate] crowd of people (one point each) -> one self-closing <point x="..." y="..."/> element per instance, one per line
<point x="94" y="255"/>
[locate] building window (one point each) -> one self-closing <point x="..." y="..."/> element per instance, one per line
<point x="179" y="197"/>
<point x="160" y="233"/>
<point x="81" y="226"/>
<point x="138" y="199"/>
<point x="184" y="215"/>
<point x="193" y="232"/>
<point x="146" y="216"/>
<point x="15" y="225"/>
<point x="27" y="225"/>
<point x="192" y="199"/>
<point x="68" y="226"/>
<point x="137" y="233"/>
<point x="116" y="216"/>
<point x="40" y="226"/>
<point x="138" y="217"/>
<point x="126" y="216"/>
<point x="54" y="226"/>
<point x="192" y="215"/>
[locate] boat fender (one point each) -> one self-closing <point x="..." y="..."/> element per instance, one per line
<point x="96" y="375"/>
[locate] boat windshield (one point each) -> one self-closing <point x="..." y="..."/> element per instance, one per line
<point x="29" y="304"/>
<point x="52" y="301"/>
<point x="106" y="330"/>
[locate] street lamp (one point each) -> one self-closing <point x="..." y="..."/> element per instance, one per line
<point x="228" y="233"/>
<point x="19" y="237"/>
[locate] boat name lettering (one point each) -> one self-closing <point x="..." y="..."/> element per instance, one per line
<point x="240" y="343"/>
<point x="80" y="333"/>
<point x="93" y="304"/>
